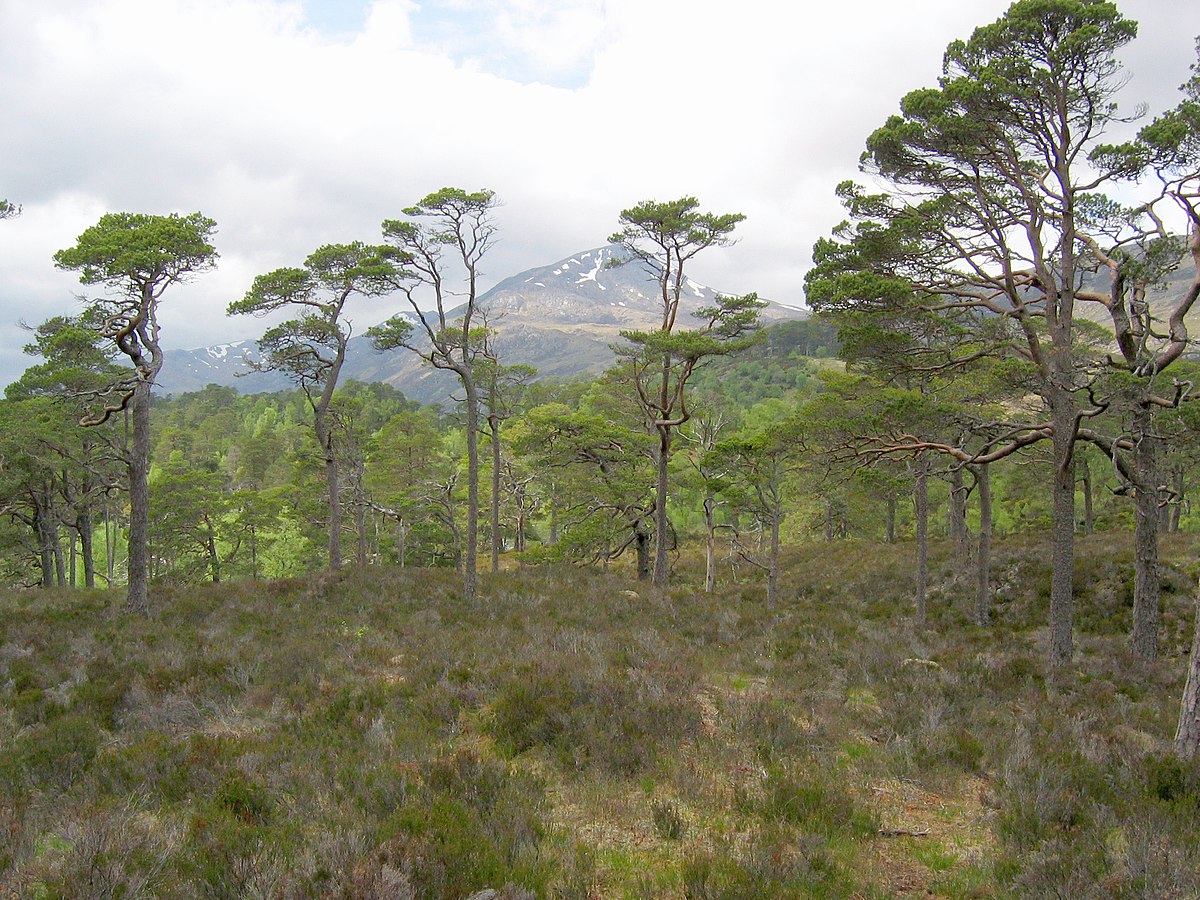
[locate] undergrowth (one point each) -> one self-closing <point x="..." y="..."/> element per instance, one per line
<point x="574" y="734"/>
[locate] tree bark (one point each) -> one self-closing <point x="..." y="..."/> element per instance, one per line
<point x="360" y="527"/>
<point x="1145" y="541"/>
<point x="138" y="600"/>
<point x="45" y="550"/>
<point x="214" y="559"/>
<point x="84" y="525"/>
<point x="1085" y="479"/>
<point x="1177" y="500"/>
<point x="333" y="488"/>
<point x="1187" y="735"/>
<point x="1062" y="538"/>
<point x="662" y="525"/>
<point x="494" y="426"/>
<point x="471" y="554"/>
<point x="110" y="543"/>
<point x="983" y="590"/>
<point x="642" y="544"/>
<point x="522" y="539"/>
<point x="956" y="511"/>
<point x="60" y="566"/>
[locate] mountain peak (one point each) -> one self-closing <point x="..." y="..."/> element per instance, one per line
<point x="560" y="318"/>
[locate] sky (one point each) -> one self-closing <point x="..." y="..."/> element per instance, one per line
<point x="298" y="123"/>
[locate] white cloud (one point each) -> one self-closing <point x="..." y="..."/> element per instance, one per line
<point x="291" y="137"/>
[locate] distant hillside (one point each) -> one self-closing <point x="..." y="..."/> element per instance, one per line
<point x="1162" y="300"/>
<point x="559" y="318"/>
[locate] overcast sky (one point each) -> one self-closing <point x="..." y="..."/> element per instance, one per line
<point x="296" y="124"/>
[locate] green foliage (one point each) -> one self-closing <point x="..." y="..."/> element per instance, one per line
<point x="309" y="348"/>
<point x="596" y="475"/>
<point x="145" y="251"/>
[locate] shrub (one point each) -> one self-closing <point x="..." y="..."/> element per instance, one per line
<point x="816" y="804"/>
<point x="474" y="824"/>
<point x="617" y="724"/>
<point x="57" y="753"/>
<point x="668" y="823"/>
<point x="245" y="800"/>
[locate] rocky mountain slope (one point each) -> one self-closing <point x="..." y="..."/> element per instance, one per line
<point x="561" y="319"/>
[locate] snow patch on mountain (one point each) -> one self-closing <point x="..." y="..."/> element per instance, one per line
<point x="591" y="276"/>
<point x="221" y="351"/>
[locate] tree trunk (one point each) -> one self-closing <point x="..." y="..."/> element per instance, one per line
<point x="710" y="544"/>
<point x="1145" y="540"/>
<point x="45" y="550"/>
<point x="333" y="488"/>
<point x="1085" y="478"/>
<point x="773" y="554"/>
<point x="360" y="526"/>
<point x="890" y="521"/>
<point x="138" y="600"/>
<point x="522" y="539"/>
<point x="55" y="539"/>
<point x="983" y="589"/>
<point x="1187" y="735"/>
<point x="1062" y="538"/>
<point x="956" y="511"/>
<point x="86" y="549"/>
<point x="662" y="525"/>
<point x="494" y="425"/>
<point x="471" y="555"/>
<point x="642" y="544"/>
<point x="921" y="508"/>
<point x="1177" y="500"/>
<point x="214" y="559"/>
<point x="110" y="543"/>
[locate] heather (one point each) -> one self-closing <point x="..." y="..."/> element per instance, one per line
<point x="570" y="733"/>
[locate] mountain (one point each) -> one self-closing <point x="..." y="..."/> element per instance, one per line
<point x="1163" y="298"/>
<point x="559" y="318"/>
